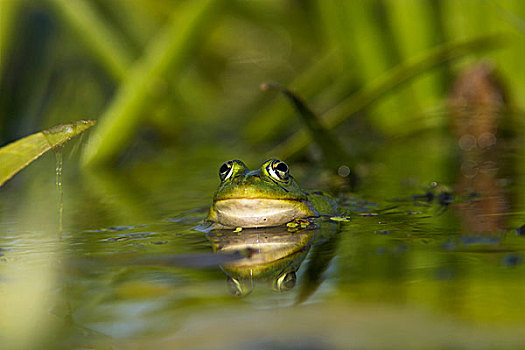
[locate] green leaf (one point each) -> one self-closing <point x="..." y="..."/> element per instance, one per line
<point x="334" y="153"/>
<point x="103" y="41"/>
<point x="19" y="154"/>
<point x="164" y="56"/>
<point x="386" y="84"/>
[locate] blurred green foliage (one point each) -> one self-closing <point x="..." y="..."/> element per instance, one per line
<point x="184" y="73"/>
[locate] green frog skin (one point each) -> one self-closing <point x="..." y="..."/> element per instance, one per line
<point x="268" y="196"/>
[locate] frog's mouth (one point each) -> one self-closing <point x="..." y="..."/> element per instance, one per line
<point x="257" y="212"/>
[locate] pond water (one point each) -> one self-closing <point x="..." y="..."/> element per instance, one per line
<point x="432" y="256"/>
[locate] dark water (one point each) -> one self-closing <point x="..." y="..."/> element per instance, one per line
<point x="431" y="257"/>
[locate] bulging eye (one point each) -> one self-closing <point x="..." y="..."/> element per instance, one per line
<point x="226" y="170"/>
<point x="279" y="170"/>
<point x="285" y="282"/>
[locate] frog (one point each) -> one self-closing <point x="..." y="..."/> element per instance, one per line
<point x="265" y="197"/>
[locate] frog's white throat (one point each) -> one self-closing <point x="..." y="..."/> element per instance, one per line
<point x="257" y="212"/>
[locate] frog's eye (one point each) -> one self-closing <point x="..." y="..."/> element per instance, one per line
<point x="285" y="282"/>
<point x="279" y="170"/>
<point x="239" y="288"/>
<point x="226" y="170"/>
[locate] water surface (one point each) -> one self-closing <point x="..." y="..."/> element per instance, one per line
<point x="425" y="260"/>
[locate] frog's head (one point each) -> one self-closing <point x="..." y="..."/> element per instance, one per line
<point x="268" y="196"/>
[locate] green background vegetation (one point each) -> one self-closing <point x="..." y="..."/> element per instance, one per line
<point x="179" y="74"/>
<point x="175" y="89"/>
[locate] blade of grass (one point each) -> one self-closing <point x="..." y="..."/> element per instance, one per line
<point x="333" y="153"/>
<point x="167" y="53"/>
<point x="19" y="154"/>
<point x="274" y="116"/>
<point x="413" y="37"/>
<point x="362" y="30"/>
<point x="388" y="83"/>
<point x="99" y="37"/>
<point x="511" y="17"/>
<point x="510" y="63"/>
<point x="8" y="14"/>
<point x="132" y="20"/>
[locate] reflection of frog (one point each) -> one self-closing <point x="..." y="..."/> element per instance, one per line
<point x="264" y="197"/>
<point x="273" y="254"/>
